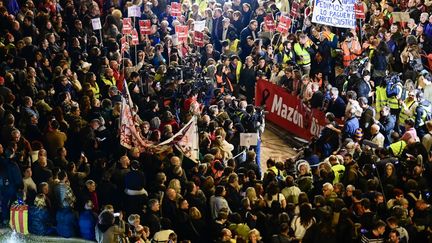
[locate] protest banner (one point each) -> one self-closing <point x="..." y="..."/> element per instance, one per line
<point x="182" y="32"/>
<point x="96" y="24"/>
<point x="199" y="38"/>
<point x="135" y="39"/>
<point x="199" y="25"/>
<point x="294" y="13"/>
<point x="359" y="11"/>
<point x="127" y="26"/>
<point x="269" y="22"/>
<point x="175" y="9"/>
<point x="134" y="11"/>
<point x="337" y="13"/>
<point x="400" y="17"/>
<point x="145" y="27"/>
<point x="289" y="112"/>
<point x="284" y="24"/>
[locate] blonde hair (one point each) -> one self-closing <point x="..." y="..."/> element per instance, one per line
<point x="116" y="13"/>
<point x="175" y="184"/>
<point x="255" y="232"/>
<point x="195" y="213"/>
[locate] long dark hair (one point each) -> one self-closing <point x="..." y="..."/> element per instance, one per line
<point x="306" y="214"/>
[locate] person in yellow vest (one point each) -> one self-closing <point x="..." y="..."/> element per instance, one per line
<point x="398" y="146"/>
<point x="337" y="168"/>
<point x="408" y="108"/>
<point x="302" y="54"/>
<point x="395" y="95"/>
<point x="108" y="80"/>
<point x="351" y="49"/>
<point x="380" y="97"/>
<point x="94" y="87"/>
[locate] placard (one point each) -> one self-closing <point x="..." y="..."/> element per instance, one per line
<point x="199" y="25"/>
<point x="134" y="11"/>
<point x="175" y="9"/>
<point x="359" y="11"/>
<point x="294" y="13"/>
<point x="199" y="38"/>
<point x="248" y="139"/>
<point x="284" y="24"/>
<point x="123" y="44"/>
<point x="135" y="39"/>
<point x="269" y="22"/>
<point x="338" y="13"/>
<point x="96" y="24"/>
<point x="145" y="27"/>
<point x="400" y="17"/>
<point x="127" y="26"/>
<point x="182" y="32"/>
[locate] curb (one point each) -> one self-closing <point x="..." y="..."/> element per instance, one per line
<point x="288" y="137"/>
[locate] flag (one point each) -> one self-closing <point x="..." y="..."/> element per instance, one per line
<point x="186" y="140"/>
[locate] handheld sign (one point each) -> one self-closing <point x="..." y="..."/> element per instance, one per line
<point x="123" y="43"/>
<point x="135" y="40"/>
<point x="269" y="22"/>
<point x="199" y="38"/>
<point x="182" y="32"/>
<point x="96" y="24"/>
<point x="145" y="27"/>
<point x="199" y="25"/>
<point x="294" y="13"/>
<point x="359" y="11"/>
<point x="248" y="139"/>
<point x="175" y="9"/>
<point x="284" y="24"/>
<point x="127" y="26"/>
<point x="337" y="13"/>
<point x="134" y="11"/>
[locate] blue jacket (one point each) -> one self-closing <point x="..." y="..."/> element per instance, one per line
<point x="39" y="221"/>
<point x="87" y="223"/>
<point x="351" y="125"/>
<point x="337" y="107"/>
<point x="66" y="223"/>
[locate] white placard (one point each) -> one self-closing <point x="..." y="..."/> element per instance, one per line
<point x="174" y="39"/>
<point x="338" y="13"/>
<point x="134" y="11"/>
<point x="199" y="25"/>
<point x="96" y="23"/>
<point x="248" y="139"/>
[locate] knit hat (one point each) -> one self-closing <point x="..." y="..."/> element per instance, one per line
<point x="359" y="133"/>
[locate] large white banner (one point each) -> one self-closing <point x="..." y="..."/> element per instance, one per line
<point x="338" y="13"/>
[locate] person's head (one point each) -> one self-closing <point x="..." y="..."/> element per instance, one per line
<point x="394" y="236"/>
<point x="27" y="172"/>
<point x="327" y="189"/>
<point x="254" y="235"/>
<point x="253" y="25"/>
<point x="91" y="185"/>
<point x="379" y="228"/>
<point x="154" y="205"/>
<point x="409" y="123"/>
<point x="375" y="129"/>
<point x="334" y="92"/>
<point x="385" y="111"/>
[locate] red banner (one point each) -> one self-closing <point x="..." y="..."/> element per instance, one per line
<point x="145" y="27"/>
<point x="288" y="111"/>
<point x="295" y="10"/>
<point x="199" y="38"/>
<point x="269" y="22"/>
<point x="175" y="9"/>
<point x="284" y="24"/>
<point x="182" y="32"/>
<point x="359" y="11"/>
<point x="127" y="26"/>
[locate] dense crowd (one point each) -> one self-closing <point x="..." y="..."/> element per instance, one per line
<point x="366" y="178"/>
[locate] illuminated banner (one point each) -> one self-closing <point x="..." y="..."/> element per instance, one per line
<point x="338" y="13"/>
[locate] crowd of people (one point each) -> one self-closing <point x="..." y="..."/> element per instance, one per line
<point x="365" y="178"/>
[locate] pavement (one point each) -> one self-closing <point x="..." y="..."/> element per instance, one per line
<point x="277" y="144"/>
